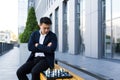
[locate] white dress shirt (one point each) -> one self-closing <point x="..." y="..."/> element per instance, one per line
<point x="41" y="40"/>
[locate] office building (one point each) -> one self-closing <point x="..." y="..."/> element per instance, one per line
<point x="86" y="27"/>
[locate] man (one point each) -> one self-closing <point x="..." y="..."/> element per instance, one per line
<point x="42" y="45"/>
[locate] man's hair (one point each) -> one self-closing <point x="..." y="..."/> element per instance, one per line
<point x="45" y="20"/>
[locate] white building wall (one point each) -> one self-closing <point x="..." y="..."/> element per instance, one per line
<point x="40" y="8"/>
<point x="60" y="28"/>
<point x="91" y="33"/>
<point x="71" y="26"/>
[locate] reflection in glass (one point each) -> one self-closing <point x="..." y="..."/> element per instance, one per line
<point x="108" y="10"/>
<point x="112" y="29"/>
<point x="77" y="26"/>
<point x="116" y="38"/>
<point x="115" y="8"/>
<point x="108" y="46"/>
<point x="82" y="24"/>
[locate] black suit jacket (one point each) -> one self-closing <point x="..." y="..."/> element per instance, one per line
<point x="48" y="51"/>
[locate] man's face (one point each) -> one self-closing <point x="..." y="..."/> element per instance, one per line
<point x="45" y="28"/>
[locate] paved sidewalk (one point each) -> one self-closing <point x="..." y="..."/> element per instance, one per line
<point x="101" y="66"/>
<point x="9" y="63"/>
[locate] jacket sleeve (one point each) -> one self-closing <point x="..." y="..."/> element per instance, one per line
<point x="31" y="43"/>
<point x="49" y="49"/>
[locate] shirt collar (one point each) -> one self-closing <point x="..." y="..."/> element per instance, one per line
<point x="41" y="33"/>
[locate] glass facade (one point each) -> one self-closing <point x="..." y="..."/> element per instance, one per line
<point x="77" y="27"/>
<point x="79" y="24"/>
<point x="65" y="27"/>
<point x="82" y="24"/>
<point x="52" y="21"/>
<point x="56" y="24"/>
<point x="112" y="29"/>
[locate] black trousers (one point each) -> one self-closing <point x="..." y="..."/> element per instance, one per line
<point x="34" y="67"/>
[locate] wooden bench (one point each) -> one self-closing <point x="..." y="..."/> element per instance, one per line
<point x="75" y="77"/>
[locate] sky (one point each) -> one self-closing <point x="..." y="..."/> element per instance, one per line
<point x="9" y="15"/>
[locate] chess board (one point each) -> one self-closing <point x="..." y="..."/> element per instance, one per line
<point x="57" y="74"/>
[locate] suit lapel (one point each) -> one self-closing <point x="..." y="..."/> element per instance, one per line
<point x="38" y="37"/>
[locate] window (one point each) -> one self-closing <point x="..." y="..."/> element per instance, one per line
<point x="56" y="25"/>
<point x="52" y="21"/>
<point x="65" y="27"/>
<point x="112" y="29"/>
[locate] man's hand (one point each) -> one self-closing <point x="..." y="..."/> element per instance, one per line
<point x="36" y="44"/>
<point x="49" y="44"/>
